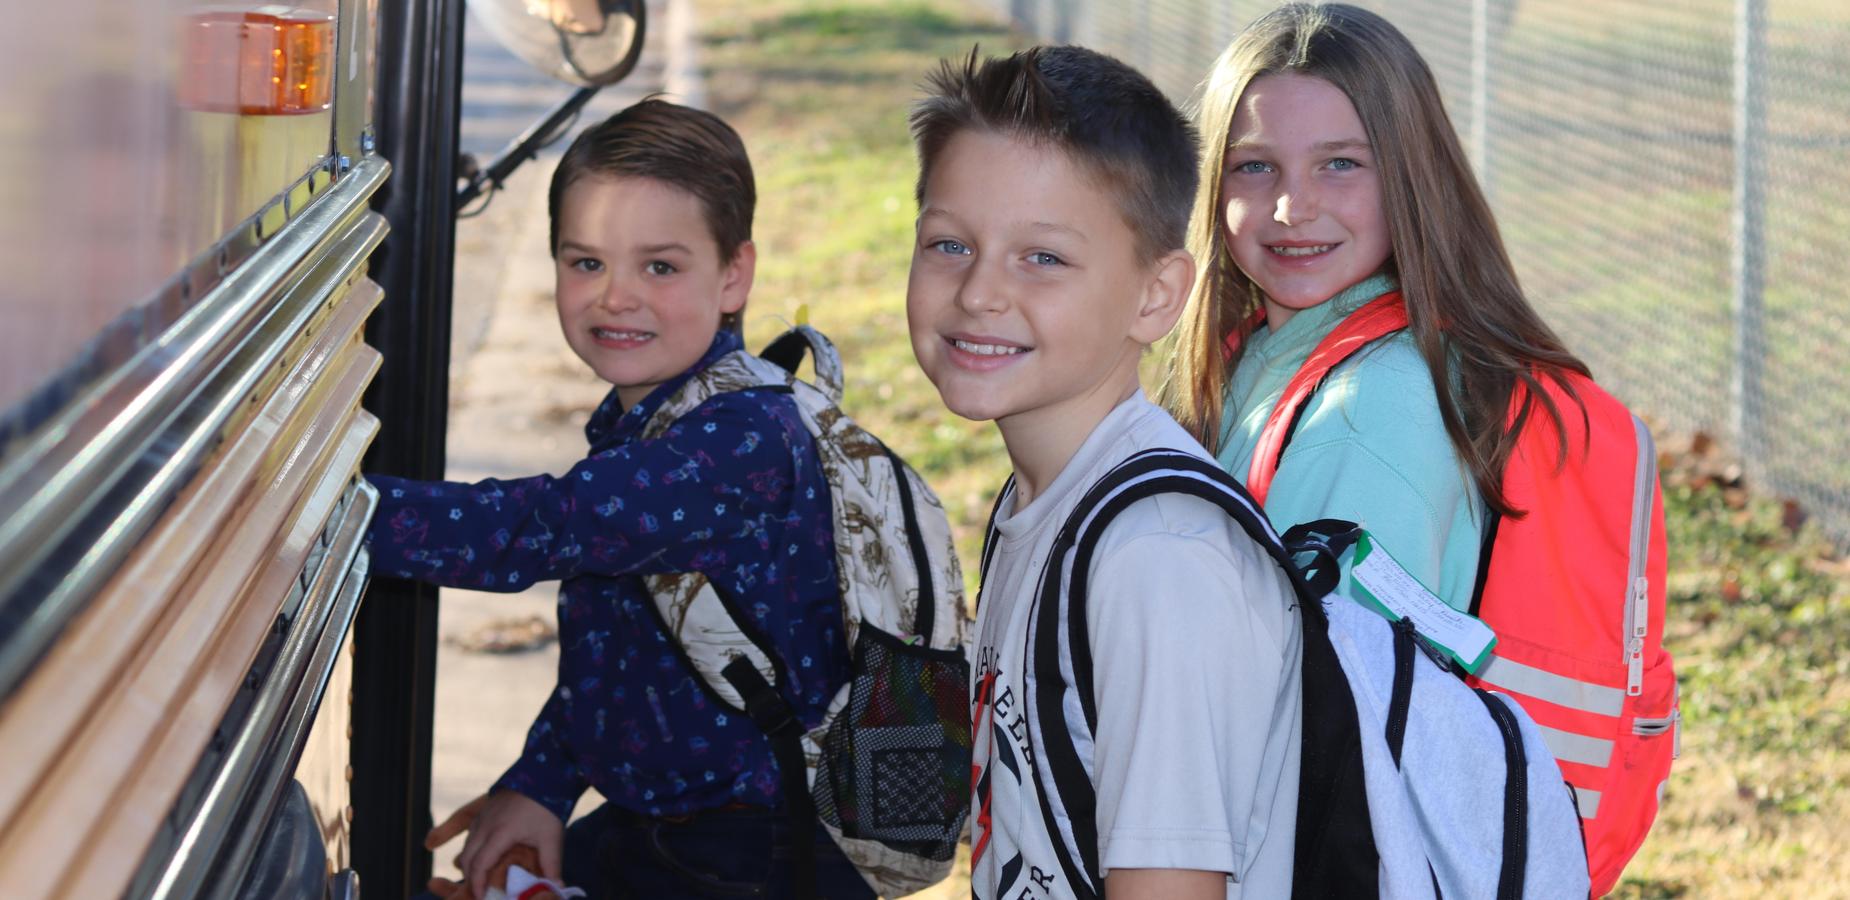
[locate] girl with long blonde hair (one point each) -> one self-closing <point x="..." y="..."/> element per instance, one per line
<point x="1332" y="176"/>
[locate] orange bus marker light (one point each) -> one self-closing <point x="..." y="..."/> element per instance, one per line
<point x="263" y="61"/>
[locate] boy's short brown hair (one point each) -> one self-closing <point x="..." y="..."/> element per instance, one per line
<point x="1104" y="114"/>
<point x="689" y="149"/>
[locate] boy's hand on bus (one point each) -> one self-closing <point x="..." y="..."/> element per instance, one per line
<point x="456" y="824"/>
<point x="502" y="822"/>
<point x="446" y="831"/>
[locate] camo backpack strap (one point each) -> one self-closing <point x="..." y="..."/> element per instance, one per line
<point x="899" y="727"/>
<point x="736" y="371"/>
<point x="691" y="609"/>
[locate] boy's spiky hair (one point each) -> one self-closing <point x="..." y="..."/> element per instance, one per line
<point x="1104" y="114"/>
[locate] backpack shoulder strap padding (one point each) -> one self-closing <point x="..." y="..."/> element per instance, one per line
<point x="991" y="536"/>
<point x="707" y="633"/>
<point x="896" y="568"/>
<point x="1059" y="645"/>
<point x="904" y="563"/>
<point x="736" y="371"/>
<point x="787" y="353"/>
<point x="1382" y="316"/>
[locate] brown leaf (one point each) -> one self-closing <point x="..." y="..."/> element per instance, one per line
<point x="511" y="635"/>
<point x="1792" y="515"/>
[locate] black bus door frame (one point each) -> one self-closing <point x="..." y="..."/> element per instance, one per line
<point x="416" y="118"/>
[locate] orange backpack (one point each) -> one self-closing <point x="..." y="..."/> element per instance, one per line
<point x="1574" y="590"/>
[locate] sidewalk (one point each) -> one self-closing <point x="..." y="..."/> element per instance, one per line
<point x="518" y="397"/>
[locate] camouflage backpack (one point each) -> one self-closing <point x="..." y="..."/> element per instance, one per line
<point x="888" y="770"/>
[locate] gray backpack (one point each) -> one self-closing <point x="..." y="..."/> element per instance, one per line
<point x="888" y="770"/>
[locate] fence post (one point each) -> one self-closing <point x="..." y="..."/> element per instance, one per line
<point x="1747" y="393"/>
<point x="1142" y="40"/>
<point x="1480" y="91"/>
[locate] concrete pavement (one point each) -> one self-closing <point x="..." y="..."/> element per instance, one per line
<point x="518" y="397"/>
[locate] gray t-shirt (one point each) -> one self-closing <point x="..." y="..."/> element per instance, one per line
<point x="1195" y="647"/>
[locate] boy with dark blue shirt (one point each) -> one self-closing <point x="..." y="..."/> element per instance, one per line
<point x="651" y="221"/>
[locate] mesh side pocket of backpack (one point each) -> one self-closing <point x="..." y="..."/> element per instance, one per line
<point x="895" y="765"/>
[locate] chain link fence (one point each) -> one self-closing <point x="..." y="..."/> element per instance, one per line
<point x="1673" y="181"/>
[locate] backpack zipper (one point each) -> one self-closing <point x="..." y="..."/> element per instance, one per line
<point x="1401" y="696"/>
<point x="1515" y="799"/>
<point x="1638" y="587"/>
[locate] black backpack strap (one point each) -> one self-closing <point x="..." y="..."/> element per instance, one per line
<point x="1062" y="598"/>
<point x="989" y="537"/>
<point x="787" y="351"/>
<point x="1492" y="520"/>
<point x="1335" y="855"/>
<point x="773" y="715"/>
<point x="925" y="610"/>
<point x="1325" y="541"/>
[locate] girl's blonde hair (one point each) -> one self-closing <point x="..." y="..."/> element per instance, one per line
<point x="1468" y="313"/>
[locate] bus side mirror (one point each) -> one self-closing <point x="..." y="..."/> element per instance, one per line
<point x="589" y="43"/>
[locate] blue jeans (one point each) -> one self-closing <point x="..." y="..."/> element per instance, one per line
<point x="741" y="852"/>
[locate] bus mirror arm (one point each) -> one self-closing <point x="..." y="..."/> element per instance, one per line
<point x="523" y="148"/>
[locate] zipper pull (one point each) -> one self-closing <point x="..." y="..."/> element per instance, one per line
<point x="1641" y="626"/>
<point x="1641" y="595"/>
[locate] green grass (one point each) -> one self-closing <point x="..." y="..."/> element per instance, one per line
<point x="820" y="92"/>
<point x="1759" y="614"/>
<point x="1759" y="610"/>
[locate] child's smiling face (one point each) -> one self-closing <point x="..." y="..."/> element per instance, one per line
<point x="1026" y="286"/>
<point x="1301" y="194"/>
<point x="640" y="285"/>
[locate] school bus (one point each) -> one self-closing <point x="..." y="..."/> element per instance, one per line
<point x="227" y="232"/>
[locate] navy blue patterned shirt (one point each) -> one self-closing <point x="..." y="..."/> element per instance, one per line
<point x="732" y="490"/>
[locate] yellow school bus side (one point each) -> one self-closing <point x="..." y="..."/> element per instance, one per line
<point x="150" y="742"/>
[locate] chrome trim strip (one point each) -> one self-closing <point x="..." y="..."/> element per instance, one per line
<point x="344" y="885"/>
<point x="87" y="487"/>
<point x="220" y="835"/>
<point x="1515" y="678"/>
<point x="1577" y="748"/>
<point x="116" y="344"/>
